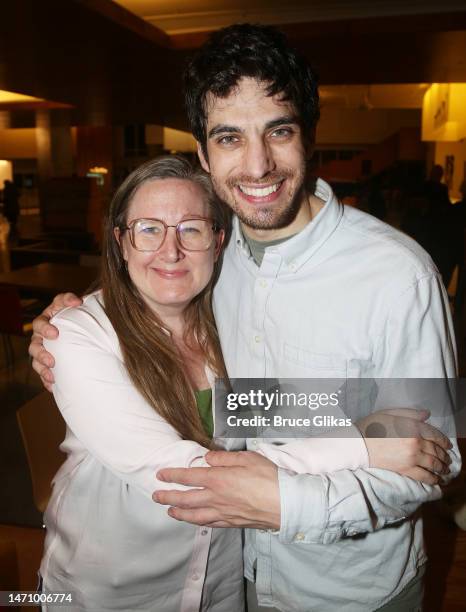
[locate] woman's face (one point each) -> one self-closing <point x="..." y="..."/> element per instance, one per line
<point x="169" y="278"/>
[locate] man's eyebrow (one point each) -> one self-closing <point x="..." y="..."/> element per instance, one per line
<point x="285" y="120"/>
<point x="223" y="129"/>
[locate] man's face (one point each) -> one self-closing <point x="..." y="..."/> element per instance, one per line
<point x="257" y="157"/>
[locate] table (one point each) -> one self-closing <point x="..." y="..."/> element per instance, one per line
<point x="51" y="278"/>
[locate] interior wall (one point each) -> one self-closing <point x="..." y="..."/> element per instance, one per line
<point x="176" y="140"/>
<point x="458" y="150"/>
<point x="18" y="143"/>
<point x="6" y="171"/>
<point x="362" y="126"/>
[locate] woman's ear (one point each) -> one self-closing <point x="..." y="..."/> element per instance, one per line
<point x="118" y="238"/>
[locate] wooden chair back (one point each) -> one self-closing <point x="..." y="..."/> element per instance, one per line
<point x="43" y="430"/>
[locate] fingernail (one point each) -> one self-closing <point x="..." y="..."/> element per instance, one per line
<point x="159" y="476"/>
<point x="155" y="496"/>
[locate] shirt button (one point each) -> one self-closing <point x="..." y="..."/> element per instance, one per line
<point x="254" y="442"/>
<point x="195" y="576"/>
<point x="263" y="283"/>
<point x="262" y="531"/>
<point x="257" y="339"/>
<point x="292" y="266"/>
<point x="204" y="532"/>
<point x="299" y="537"/>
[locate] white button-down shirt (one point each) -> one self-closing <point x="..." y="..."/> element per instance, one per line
<point x="348" y="296"/>
<point x="107" y="541"/>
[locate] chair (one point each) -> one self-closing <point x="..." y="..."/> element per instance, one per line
<point x="16" y="318"/>
<point x="42" y="429"/>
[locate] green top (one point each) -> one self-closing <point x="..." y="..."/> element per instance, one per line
<point x="257" y="247"/>
<point x="204" y="405"/>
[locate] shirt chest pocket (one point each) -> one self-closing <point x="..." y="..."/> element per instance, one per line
<point x="301" y="362"/>
<point x="352" y="377"/>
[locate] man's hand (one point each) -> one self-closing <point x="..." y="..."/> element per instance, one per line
<point x="42" y="361"/>
<point x="399" y="440"/>
<point x="239" y="490"/>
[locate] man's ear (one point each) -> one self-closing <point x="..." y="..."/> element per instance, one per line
<point x="202" y="158"/>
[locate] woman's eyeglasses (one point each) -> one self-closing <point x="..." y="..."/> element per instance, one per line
<point x="196" y="234"/>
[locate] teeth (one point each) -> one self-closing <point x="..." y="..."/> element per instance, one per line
<point x="259" y="193"/>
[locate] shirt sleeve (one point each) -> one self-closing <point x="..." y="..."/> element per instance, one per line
<point x="318" y="455"/>
<point x="104" y="410"/>
<point x="417" y="342"/>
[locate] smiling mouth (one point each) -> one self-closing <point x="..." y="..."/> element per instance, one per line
<point x="260" y="192"/>
<point x="169" y="273"/>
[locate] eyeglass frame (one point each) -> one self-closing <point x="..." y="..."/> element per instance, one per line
<point x="215" y="227"/>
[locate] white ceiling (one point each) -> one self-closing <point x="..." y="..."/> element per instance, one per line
<point x="181" y="16"/>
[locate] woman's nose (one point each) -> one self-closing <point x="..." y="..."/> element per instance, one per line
<point x="170" y="249"/>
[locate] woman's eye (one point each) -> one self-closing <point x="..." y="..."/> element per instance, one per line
<point x="150" y="230"/>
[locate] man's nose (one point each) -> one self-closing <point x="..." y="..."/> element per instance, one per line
<point x="170" y="249"/>
<point x="259" y="160"/>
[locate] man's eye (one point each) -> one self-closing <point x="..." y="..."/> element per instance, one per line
<point x="282" y="132"/>
<point x="227" y="140"/>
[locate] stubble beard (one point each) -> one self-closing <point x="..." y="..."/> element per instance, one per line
<point x="265" y="217"/>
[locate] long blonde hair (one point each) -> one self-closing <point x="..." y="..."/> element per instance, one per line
<point x="151" y="357"/>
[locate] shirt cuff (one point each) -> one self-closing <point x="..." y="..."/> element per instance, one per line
<point x="303" y="507"/>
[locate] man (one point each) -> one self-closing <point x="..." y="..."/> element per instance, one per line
<point x="308" y="289"/>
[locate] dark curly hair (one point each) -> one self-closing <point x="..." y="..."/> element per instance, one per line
<point x="245" y="50"/>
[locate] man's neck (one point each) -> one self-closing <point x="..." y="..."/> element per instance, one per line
<point x="309" y="209"/>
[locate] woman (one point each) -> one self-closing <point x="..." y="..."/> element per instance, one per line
<point x="134" y="365"/>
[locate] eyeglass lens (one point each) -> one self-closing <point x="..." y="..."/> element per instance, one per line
<point x="193" y="234"/>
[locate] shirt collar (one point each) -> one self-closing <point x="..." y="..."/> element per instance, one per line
<point x="300" y="248"/>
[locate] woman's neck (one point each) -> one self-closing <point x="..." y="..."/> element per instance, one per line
<point x="172" y="319"/>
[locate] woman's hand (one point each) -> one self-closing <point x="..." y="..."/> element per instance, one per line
<point x="401" y="441"/>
